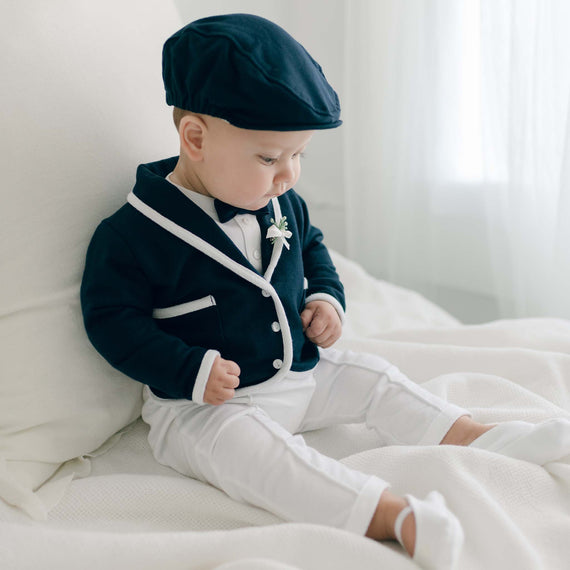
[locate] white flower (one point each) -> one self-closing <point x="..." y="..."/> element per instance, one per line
<point x="279" y="231"/>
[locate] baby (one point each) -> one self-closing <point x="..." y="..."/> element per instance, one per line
<point x="211" y="287"/>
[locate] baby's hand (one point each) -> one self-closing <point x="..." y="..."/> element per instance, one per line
<point x="222" y="382"/>
<point x="321" y="323"/>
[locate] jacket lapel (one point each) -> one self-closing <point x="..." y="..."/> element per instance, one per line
<point x="277" y="247"/>
<point x="154" y="190"/>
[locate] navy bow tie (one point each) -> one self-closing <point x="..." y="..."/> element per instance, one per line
<point x="226" y="212"/>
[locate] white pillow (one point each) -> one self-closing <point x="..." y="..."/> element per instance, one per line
<point x="83" y="104"/>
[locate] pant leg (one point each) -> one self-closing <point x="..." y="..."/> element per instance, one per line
<point x="242" y="451"/>
<point x="357" y="387"/>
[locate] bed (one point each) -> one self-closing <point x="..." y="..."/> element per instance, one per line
<point x="78" y="485"/>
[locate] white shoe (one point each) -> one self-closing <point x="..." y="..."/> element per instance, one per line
<point x="535" y="443"/>
<point x="439" y="536"/>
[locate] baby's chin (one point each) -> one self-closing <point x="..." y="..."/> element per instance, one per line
<point x="261" y="203"/>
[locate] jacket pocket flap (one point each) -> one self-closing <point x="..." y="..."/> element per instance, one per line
<point x="184" y="308"/>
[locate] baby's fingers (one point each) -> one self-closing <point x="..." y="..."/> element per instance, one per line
<point x="318" y="327"/>
<point x="218" y="394"/>
<point x="231" y="367"/>
<point x="327" y="341"/>
<point x="331" y="332"/>
<point x="231" y="382"/>
<point x="306" y="317"/>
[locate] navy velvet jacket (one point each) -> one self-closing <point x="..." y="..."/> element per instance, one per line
<point x="165" y="291"/>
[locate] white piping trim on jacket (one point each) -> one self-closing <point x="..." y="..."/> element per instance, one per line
<point x="215" y="254"/>
<point x="184" y="308"/>
<point x="278" y="246"/>
<point x="203" y="375"/>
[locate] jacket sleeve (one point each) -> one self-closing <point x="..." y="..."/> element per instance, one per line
<point x="116" y="300"/>
<point x="323" y="280"/>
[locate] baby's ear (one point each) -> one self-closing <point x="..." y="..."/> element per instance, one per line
<point x="192" y="129"/>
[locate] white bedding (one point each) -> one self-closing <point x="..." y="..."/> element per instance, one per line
<point x="133" y="513"/>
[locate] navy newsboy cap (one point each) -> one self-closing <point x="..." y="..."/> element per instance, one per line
<point x="250" y="72"/>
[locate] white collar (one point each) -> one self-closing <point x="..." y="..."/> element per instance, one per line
<point x="204" y="202"/>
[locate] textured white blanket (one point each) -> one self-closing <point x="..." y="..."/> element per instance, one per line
<point x="132" y="513"/>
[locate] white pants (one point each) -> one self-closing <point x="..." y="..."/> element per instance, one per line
<point x="246" y="446"/>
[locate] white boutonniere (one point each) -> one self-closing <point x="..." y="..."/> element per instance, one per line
<point x="278" y="231"/>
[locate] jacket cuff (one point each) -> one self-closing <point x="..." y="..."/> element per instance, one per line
<point x="203" y="375"/>
<point x="329" y="299"/>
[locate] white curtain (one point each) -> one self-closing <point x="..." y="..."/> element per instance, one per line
<point x="457" y="146"/>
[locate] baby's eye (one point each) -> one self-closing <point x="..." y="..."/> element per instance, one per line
<point x="299" y="155"/>
<point x="267" y="159"/>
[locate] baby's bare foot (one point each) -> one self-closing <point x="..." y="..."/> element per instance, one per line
<point x="464" y="431"/>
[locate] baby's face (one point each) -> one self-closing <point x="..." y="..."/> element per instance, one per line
<point x="247" y="168"/>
